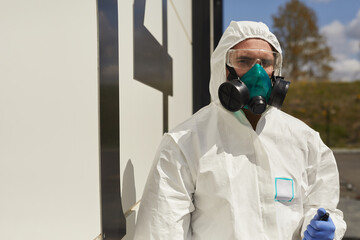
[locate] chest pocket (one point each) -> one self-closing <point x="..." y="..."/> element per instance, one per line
<point x="284" y="189"/>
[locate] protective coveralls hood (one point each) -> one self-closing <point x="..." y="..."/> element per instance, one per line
<point x="235" y="33"/>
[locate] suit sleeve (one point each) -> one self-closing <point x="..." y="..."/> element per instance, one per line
<point x="166" y="204"/>
<point x="323" y="186"/>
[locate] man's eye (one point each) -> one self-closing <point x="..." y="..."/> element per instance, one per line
<point x="245" y="61"/>
<point x="267" y="62"/>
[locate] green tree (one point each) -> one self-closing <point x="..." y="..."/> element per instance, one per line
<point x="306" y="55"/>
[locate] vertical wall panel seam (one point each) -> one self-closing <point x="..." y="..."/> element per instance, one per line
<point x="112" y="217"/>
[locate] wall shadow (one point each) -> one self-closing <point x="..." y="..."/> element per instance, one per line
<point x="153" y="65"/>
<point x="128" y="198"/>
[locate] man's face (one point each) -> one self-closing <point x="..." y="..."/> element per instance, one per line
<point x="253" y="55"/>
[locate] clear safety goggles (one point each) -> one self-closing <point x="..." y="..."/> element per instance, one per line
<point x="244" y="59"/>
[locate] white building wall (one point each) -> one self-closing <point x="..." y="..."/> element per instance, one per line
<point x="141" y="110"/>
<point x="49" y="152"/>
<point x="49" y="127"/>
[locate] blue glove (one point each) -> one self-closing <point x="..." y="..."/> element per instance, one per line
<point x="319" y="229"/>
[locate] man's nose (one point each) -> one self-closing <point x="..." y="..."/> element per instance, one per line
<point x="258" y="61"/>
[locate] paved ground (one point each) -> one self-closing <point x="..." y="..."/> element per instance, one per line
<point x="348" y="162"/>
<point x="351" y="210"/>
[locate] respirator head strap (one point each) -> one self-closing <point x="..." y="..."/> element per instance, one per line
<point x="232" y="73"/>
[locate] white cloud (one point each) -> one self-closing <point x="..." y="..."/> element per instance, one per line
<point x="346" y="70"/>
<point x="353" y="29"/>
<point x="335" y="34"/>
<point x="344" y="41"/>
<point x="355" y="46"/>
<point x="334" y="28"/>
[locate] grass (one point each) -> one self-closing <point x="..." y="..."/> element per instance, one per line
<point x="331" y="108"/>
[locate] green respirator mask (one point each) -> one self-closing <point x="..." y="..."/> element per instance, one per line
<point x="253" y="91"/>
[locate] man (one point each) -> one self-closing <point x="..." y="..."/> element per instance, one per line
<point x="242" y="175"/>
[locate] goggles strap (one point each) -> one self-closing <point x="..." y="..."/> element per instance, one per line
<point x="232" y="73"/>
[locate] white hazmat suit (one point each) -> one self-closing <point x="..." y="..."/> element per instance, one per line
<point x="214" y="177"/>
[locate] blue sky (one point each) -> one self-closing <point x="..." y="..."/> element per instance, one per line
<point x="338" y="22"/>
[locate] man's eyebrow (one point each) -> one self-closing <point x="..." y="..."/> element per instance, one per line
<point x="244" y="57"/>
